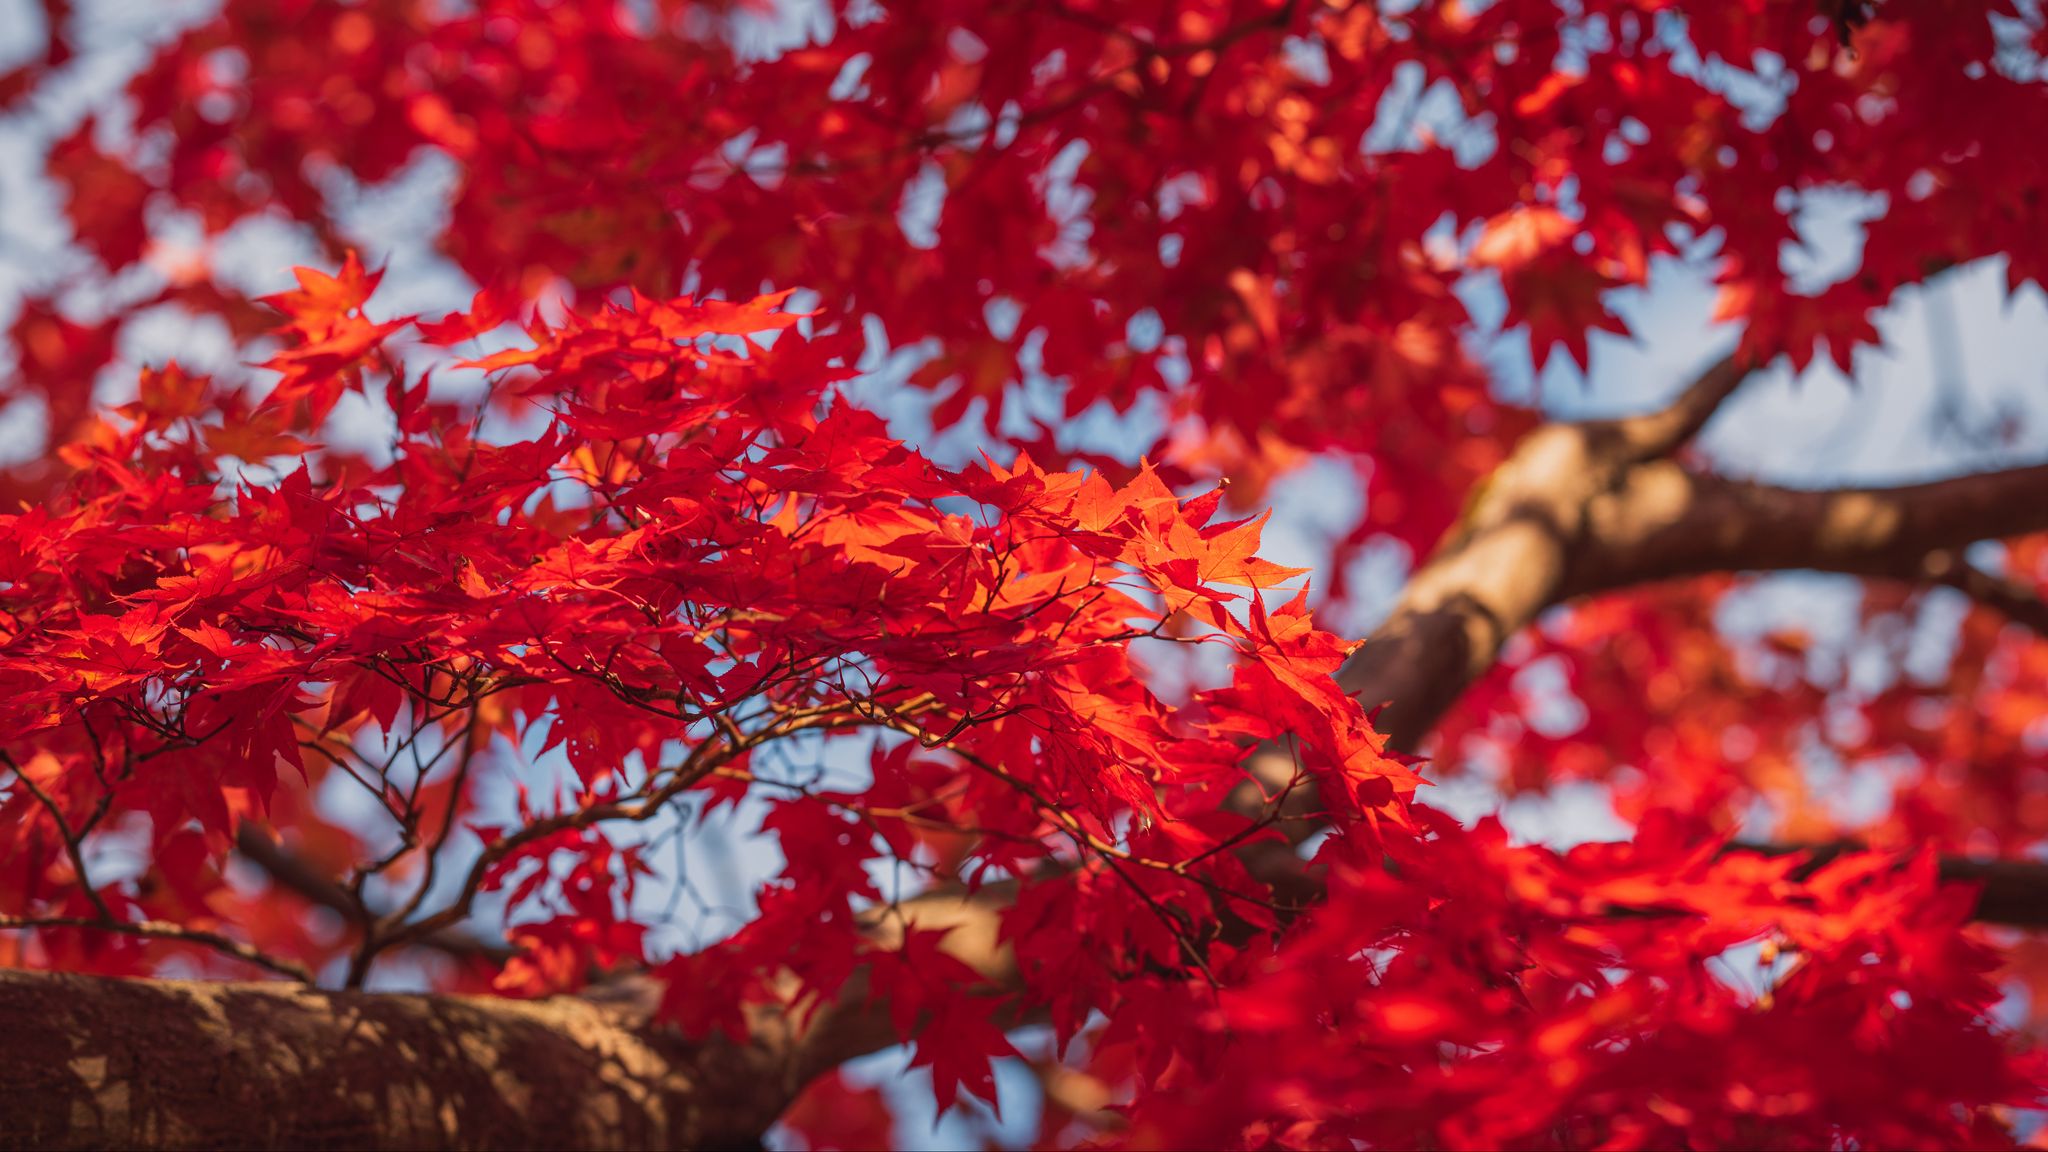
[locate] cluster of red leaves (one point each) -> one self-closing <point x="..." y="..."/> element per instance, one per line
<point x="1674" y="715"/>
<point x="693" y="554"/>
<point x="1699" y="729"/>
<point x="1477" y="995"/>
<point x="1961" y="738"/>
<point x="1877" y="736"/>
<point x="1275" y="198"/>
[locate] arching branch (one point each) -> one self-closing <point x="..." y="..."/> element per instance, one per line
<point x="1582" y="508"/>
<point x="1664" y="521"/>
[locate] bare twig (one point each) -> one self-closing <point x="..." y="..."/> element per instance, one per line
<point x="164" y="930"/>
<point x="315" y="886"/>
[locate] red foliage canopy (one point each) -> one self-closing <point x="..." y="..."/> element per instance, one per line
<point x="620" y="557"/>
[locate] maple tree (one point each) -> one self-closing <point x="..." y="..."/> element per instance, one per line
<point x="1035" y="740"/>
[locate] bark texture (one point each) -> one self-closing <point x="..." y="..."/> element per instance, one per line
<point x="92" y="1062"/>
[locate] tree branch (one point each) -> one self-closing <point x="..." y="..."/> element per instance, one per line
<point x="165" y="930"/>
<point x="1529" y="549"/>
<point x="1663" y="521"/>
<point x="98" y="1062"/>
<point x="316" y="887"/>
<point x="1658" y="434"/>
<point x="2016" y="601"/>
<point x="93" y="1062"/>
<point x="1579" y="509"/>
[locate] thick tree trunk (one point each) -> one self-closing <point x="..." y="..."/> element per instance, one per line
<point x="92" y="1062"/>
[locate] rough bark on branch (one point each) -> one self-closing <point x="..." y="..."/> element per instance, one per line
<point x="1660" y="521"/>
<point x="94" y="1063"/>
<point x="1554" y="524"/>
<point x="1663" y="521"/>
